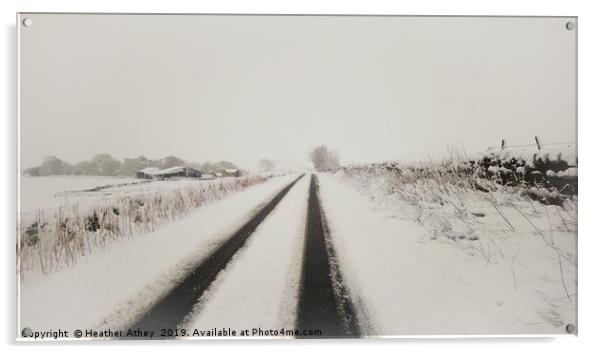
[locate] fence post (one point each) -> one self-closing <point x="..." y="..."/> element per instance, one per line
<point x="538" y="144"/>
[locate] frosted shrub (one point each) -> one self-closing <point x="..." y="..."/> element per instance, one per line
<point x="52" y="241"/>
<point x="436" y="194"/>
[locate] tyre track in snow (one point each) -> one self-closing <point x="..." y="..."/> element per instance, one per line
<point x="172" y="309"/>
<point x="323" y="303"/>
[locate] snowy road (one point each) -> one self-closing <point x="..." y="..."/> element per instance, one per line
<point x="278" y="271"/>
<point x="258" y="289"/>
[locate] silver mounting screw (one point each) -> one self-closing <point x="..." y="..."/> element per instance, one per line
<point x="570" y="25"/>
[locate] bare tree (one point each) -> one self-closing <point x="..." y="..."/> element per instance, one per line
<point x="324" y="159"/>
<point x="266" y="165"/>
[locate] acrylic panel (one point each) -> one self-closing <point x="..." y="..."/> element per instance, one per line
<point x="296" y="176"/>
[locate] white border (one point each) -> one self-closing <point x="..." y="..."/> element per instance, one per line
<point x="589" y="109"/>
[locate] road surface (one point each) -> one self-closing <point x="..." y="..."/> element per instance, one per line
<point x="322" y="306"/>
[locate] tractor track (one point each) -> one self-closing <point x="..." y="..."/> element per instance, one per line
<point x="323" y="302"/>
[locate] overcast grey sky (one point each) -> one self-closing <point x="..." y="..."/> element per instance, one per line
<point x="241" y="88"/>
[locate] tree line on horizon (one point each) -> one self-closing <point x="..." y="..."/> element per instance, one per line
<point x="106" y="165"/>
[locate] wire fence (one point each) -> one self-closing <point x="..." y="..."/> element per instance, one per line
<point x="537" y="143"/>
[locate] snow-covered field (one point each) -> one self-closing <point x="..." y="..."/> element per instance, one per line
<point x="51" y="192"/>
<point x="108" y="289"/>
<point x="48" y="192"/>
<point x="507" y="267"/>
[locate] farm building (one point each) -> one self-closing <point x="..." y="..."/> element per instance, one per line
<point x="146" y="173"/>
<point x="177" y="171"/>
<point x="232" y="173"/>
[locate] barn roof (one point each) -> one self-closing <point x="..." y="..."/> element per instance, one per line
<point x="149" y="170"/>
<point x="155" y="171"/>
<point x="171" y="170"/>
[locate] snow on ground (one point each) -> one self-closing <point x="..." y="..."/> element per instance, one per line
<point x="52" y="192"/>
<point x="48" y="191"/>
<point x="406" y="283"/>
<point x="108" y="288"/>
<point x="259" y="287"/>
<point x="148" y="186"/>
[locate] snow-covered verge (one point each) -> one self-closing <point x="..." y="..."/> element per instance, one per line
<point x="110" y="288"/>
<point x="51" y="239"/>
<point x="548" y="175"/>
<point x="258" y="289"/>
<point x="424" y="255"/>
